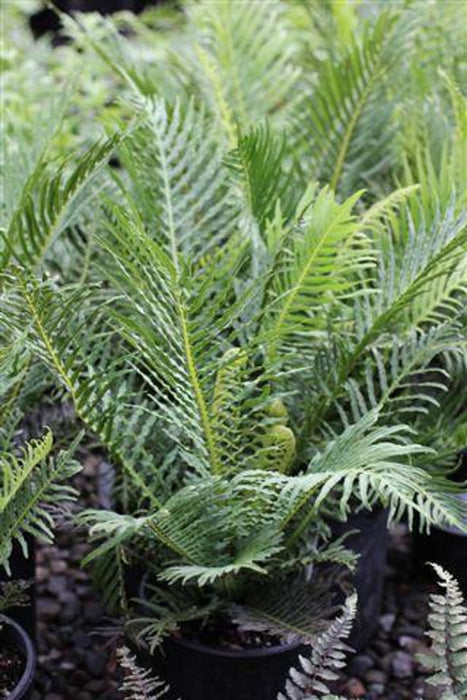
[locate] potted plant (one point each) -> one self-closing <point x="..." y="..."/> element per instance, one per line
<point x="245" y="410"/>
<point x="254" y="354"/>
<point x="32" y="489"/>
<point x="18" y="657"/>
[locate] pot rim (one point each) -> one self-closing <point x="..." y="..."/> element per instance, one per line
<point x="237" y="653"/>
<point x="24" y="642"/>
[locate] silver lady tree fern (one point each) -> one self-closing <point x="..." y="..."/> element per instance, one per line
<point x="256" y="350"/>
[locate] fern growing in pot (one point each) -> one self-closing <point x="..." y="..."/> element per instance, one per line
<point x="255" y="361"/>
<point x="249" y="391"/>
<point x="32" y="489"/>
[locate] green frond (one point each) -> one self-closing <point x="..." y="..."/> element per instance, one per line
<point x="240" y="60"/>
<point x="310" y="269"/>
<point x="178" y="179"/>
<point x="375" y="218"/>
<point x="398" y="379"/>
<point x="47" y="205"/>
<point x="258" y="164"/>
<point x="69" y="336"/>
<point x="32" y="487"/>
<point x="407" y="277"/>
<point x="373" y="463"/>
<point x="343" y="122"/>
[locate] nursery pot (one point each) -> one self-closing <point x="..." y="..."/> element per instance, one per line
<point x="23" y="569"/>
<point x="371" y="544"/>
<point x="196" y="671"/>
<point x="446" y="545"/>
<point x="12" y="633"/>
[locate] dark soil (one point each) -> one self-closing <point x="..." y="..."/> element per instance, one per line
<point x="220" y="635"/>
<point x="11" y="667"/>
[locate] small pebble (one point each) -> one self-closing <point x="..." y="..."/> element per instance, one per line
<point x="387" y="621"/>
<point x="402" y="665"/>
<point x="354" y="688"/>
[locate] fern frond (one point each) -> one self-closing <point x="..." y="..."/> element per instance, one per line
<point x="32" y="486"/>
<point x="48" y="201"/>
<point x="398" y="379"/>
<point x="366" y="460"/>
<point x="311" y="271"/>
<point x="327" y="656"/>
<point x="63" y="331"/>
<point x="241" y="61"/>
<point x="343" y="122"/>
<point x="427" y="256"/>
<point x="258" y="163"/>
<point x="139" y="683"/>
<point x="448" y="633"/>
<point x="178" y="179"/>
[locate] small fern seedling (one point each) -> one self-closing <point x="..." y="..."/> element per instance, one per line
<point x="448" y="632"/>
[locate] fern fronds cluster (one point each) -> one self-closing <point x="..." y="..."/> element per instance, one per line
<point x="258" y="308"/>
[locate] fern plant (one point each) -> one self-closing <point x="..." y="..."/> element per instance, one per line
<point x="327" y="657"/>
<point x="138" y="684"/>
<point x="448" y="633"/>
<point x="256" y="351"/>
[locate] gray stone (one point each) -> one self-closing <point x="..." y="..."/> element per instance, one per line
<point x="387" y="621"/>
<point x="361" y="664"/>
<point x="402" y="665"/>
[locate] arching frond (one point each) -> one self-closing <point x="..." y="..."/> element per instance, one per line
<point x="46" y="206"/>
<point x="241" y="61"/>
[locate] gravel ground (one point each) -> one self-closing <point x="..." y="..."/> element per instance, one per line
<point x="73" y="661"/>
<point x="76" y="663"/>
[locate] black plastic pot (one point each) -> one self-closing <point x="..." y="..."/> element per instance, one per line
<point x="199" y="672"/>
<point x="23" y="569"/>
<point x="446" y="546"/>
<point x="46" y="20"/>
<point x="371" y="544"/>
<point x="12" y="632"/>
